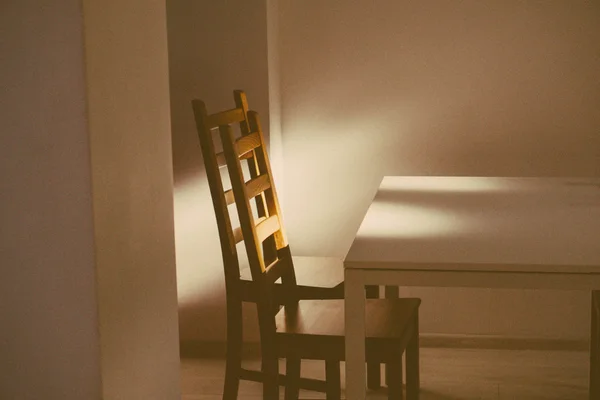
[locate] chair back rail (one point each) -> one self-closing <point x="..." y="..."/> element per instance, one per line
<point x="227" y="236"/>
<point x="265" y="270"/>
<point x="266" y="245"/>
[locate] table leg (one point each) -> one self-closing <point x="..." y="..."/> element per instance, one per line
<point x="373" y="369"/>
<point x="391" y="292"/>
<point x="355" y="334"/>
<point x="595" y="348"/>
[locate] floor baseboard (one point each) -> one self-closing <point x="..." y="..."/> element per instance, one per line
<point x="501" y="342"/>
<point x="206" y="349"/>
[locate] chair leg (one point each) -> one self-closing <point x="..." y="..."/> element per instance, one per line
<point x="373" y="369"/>
<point x="234" y="350"/>
<point x="373" y="375"/>
<point x="594" y="389"/>
<point x="333" y="380"/>
<point x="391" y="292"/>
<point x="270" y="370"/>
<point x="292" y="378"/>
<point x="389" y="377"/>
<point x="268" y="350"/>
<point x="394" y="379"/>
<point x="412" y="364"/>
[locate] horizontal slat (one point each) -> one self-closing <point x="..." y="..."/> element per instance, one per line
<point x="225" y="117"/>
<point x="254" y="187"/>
<point x="274" y="270"/>
<point x="257" y="185"/>
<point x="304" y="383"/>
<point x="247" y="143"/>
<point x="267" y="227"/>
<point x="237" y="235"/>
<point x="222" y="162"/>
<point x="237" y="232"/>
<point x="229" y="197"/>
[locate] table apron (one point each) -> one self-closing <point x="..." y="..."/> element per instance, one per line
<point x="477" y="279"/>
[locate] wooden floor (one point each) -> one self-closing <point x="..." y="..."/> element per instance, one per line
<point x="446" y="374"/>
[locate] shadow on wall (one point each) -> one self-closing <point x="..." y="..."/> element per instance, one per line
<point x="200" y="275"/>
<point x="214" y="48"/>
<point x="199" y="266"/>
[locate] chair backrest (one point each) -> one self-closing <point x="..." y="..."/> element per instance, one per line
<point x="266" y="268"/>
<point x="228" y="237"/>
<point x="268" y="253"/>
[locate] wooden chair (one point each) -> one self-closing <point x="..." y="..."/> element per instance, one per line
<point x="314" y="281"/>
<point x="307" y="329"/>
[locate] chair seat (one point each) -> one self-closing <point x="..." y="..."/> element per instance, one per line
<point x="316" y="327"/>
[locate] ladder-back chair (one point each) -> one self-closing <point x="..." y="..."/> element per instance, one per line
<point x="307" y="329"/>
<point x="315" y="282"/>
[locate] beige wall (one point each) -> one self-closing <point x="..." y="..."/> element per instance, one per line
<point x="490" y="88"/>
<point x="274" y="70"/>
<point x="367" y="89"/>
<point x="89" y="296"/>
<point x="49" y="327"/>
<point x="214" y="48"/>
<point x="129" y="124"/>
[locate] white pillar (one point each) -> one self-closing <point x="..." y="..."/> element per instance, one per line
<point x="89" y="306"/>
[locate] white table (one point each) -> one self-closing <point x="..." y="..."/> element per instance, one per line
<point x="529" y="233"/>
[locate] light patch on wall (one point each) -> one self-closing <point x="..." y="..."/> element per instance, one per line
<point x="200" y="271"/>
<point x="199" y="264"/>
<point x="331" y="155"/>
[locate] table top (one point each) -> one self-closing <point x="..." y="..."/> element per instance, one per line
<point x="549" y="225"/>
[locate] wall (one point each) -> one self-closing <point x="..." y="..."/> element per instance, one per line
<point x="275" y="134"/>
<point x="89" y="296"/>
<point x="372" y="88"/>
<point x="49" y="335"/>
<point x="214" y="48"/>
<point x="129" y="124"/>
